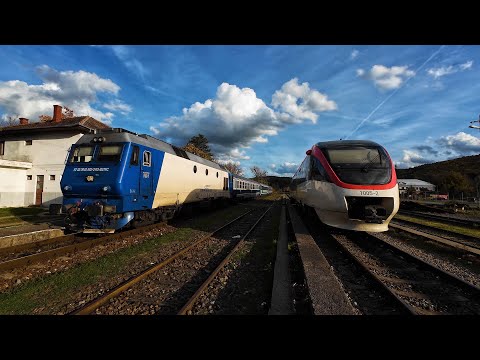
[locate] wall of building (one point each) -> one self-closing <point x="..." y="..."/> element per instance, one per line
<point x="47" y="154"/>
<point x="12" y="186"/>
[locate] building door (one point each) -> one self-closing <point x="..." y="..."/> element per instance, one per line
<point x="39" y="190"/>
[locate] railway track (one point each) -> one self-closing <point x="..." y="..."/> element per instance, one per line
<point x="27" y="254"/>
<point x="459" y="241"/>
<point x="184" y="277"/>
<point x="473" y="224"/>
<point x="418" y="286"/>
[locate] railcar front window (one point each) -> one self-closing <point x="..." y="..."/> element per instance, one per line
<point x="360" y="165"/>
<point x="82" y="154"/>
<point x="110" y="153"/>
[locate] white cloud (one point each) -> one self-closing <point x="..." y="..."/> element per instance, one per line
<point x="447" y="70"/>
<point x="74" y="89"/>
<point x="125" y="54"/>
<point x="462" y="143"/>
<point x="238" y="154"/>
<point x="354" y="54"/>
<point x="385" y="77"/>
<point x="285" y="169"/>
<point x="118" y="105"/>
<point x="236" y="117"/>
<point x="311" y="101"/>
<point x="467" y="65"/>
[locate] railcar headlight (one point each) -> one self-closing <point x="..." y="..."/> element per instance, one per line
<point x="106" y="188"/>
<point x="89" y="178"/>
<point x="95" y="139"/>
<point x="67" y="188"/>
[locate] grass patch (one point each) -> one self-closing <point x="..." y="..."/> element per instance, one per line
<point x="20" y="211"/>
<point x="54" y="291"/>
<point x="60" y="288"/>
<point x="273" y="196"/>
<point x="441" y="226"/>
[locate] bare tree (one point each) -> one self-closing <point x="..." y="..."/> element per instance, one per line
<point x="233" y="168"/>
<point x="67" y="113"/>
<point x="259" y="174"/>
<point x="9" y="120"/>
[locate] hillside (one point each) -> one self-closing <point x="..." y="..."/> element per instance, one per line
<point x="278" y="182"/>
<point x="450" y="175"/>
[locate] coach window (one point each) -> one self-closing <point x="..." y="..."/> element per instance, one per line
<point x="147" y="158"/>
<point x="206" y="171"/>
<point x="195" y="169"/>
<point x="135" y="154"/>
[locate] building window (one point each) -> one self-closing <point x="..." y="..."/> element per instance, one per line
<point x="52" y="177"/>
<point x="2" y="147"/>
<point x="28" y="142"/>
<point x="206" y="171"/>
<point x="29" y="177"/>
<point x="195" y="169"/>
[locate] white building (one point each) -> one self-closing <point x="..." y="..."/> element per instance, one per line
<point x="418" y="185"/>
<point x="32" y="158"/>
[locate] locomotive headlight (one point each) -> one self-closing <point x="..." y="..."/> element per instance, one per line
<point x="95" y="139"/>
<point x="106" y="188"/>
<point x="67" y="188"/>
<point x="89" y="178"/>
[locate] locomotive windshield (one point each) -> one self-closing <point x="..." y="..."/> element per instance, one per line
<point x="110" y="153"/>
<point x="360" y="164"/>
<point x="81" y="154"/>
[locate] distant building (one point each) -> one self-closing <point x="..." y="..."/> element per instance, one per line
<point x="418" y="185"/>
<point x="32" y="157"/>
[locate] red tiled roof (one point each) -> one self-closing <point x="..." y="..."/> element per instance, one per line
<point x="85" y="121"/>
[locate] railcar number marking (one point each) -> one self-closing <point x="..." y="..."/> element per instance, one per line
<point x="368" y="192"/>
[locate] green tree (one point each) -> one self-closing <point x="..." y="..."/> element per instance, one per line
<point x="456" y="183"/>
<point x="195" y="150"/>
<point x="201" y="143"/>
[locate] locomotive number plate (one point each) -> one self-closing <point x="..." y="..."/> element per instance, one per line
<point x="369" y="192"/>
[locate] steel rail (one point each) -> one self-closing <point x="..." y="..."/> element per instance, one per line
<point x="189" y="305"/>
<point x="96" y="303"/>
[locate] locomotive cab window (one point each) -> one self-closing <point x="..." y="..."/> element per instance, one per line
<point x="81" y="154"/>
<point x="110" y="153"/>
<point x="135" y="155"/>
<point x="147" y="158"/>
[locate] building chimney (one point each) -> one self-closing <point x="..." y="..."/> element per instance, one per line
<point x="23" y="121"/>
<point x="57" y="113"/>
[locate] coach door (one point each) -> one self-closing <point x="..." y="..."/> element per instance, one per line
<point x="39" y="190"/>
<point x="146" y="176"/>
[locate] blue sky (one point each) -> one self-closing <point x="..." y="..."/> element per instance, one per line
<point x="260" y="105"/>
